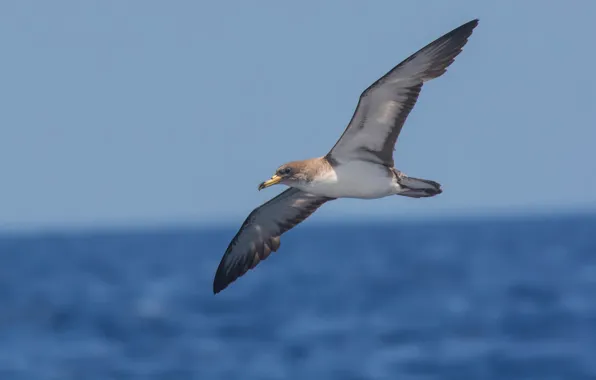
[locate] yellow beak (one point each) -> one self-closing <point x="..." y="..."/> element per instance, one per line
<point x="273" y="181"/>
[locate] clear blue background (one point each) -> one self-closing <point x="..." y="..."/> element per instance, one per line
<point x="152" y="112"/>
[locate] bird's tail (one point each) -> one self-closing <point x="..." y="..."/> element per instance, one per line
<point x="418" y="188"/>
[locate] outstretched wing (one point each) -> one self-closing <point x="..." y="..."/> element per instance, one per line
<point x="260" y="232"/>
<point x="384" y="106"/>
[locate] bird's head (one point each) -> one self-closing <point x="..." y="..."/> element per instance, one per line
<point x="286" y="174"/>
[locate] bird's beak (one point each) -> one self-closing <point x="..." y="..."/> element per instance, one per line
<point x="273" y="181"/>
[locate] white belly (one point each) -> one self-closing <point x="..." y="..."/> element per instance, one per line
<point x="357" y="179"/>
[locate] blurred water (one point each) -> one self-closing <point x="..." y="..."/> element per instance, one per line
<point x="503" y="299"/>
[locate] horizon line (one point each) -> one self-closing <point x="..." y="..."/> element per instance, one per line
<point x="344" y="219"/>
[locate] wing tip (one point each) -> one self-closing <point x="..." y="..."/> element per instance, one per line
<point x="470" y="24"/>
<point x="452" y="44"/>
<point x="464" y="29"/>
<point x="218" y="287"/>
<point x="467" y="29"/>
<point x="223" y="277"/>
<point x="221" y="281"/>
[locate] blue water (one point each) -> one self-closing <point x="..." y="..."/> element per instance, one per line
<point x="502" y="299"/>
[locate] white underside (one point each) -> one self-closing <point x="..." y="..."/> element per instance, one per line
<point x="356" y="179"/>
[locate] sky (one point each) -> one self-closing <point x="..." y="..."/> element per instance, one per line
<point x="123" y="113"/>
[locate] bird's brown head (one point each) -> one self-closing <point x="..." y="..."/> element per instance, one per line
<point x="287" y="174"/>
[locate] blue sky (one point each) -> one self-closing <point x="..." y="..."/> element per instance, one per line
<point x="154" y="112"/>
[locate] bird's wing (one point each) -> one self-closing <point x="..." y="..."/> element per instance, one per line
<point x="260" y="232"/>
<point x="384" y="106"/>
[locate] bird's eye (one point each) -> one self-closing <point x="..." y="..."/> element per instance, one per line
<point x="285" y="171"/>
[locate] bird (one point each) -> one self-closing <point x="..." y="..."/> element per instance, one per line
<point x="359" y="165"/>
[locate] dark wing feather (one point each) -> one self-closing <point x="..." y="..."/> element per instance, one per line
<point x="260" y="233"/>
<point x="384" y="106"/>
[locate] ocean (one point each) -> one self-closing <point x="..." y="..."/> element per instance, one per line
<point x="477" y="299"/>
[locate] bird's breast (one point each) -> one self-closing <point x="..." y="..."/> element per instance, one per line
<point x="358" y="179"/>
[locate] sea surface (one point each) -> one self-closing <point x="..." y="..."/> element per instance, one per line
<point x="477" y="299"/>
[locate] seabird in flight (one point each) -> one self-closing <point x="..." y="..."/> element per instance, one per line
<point x="360" y="165"/>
